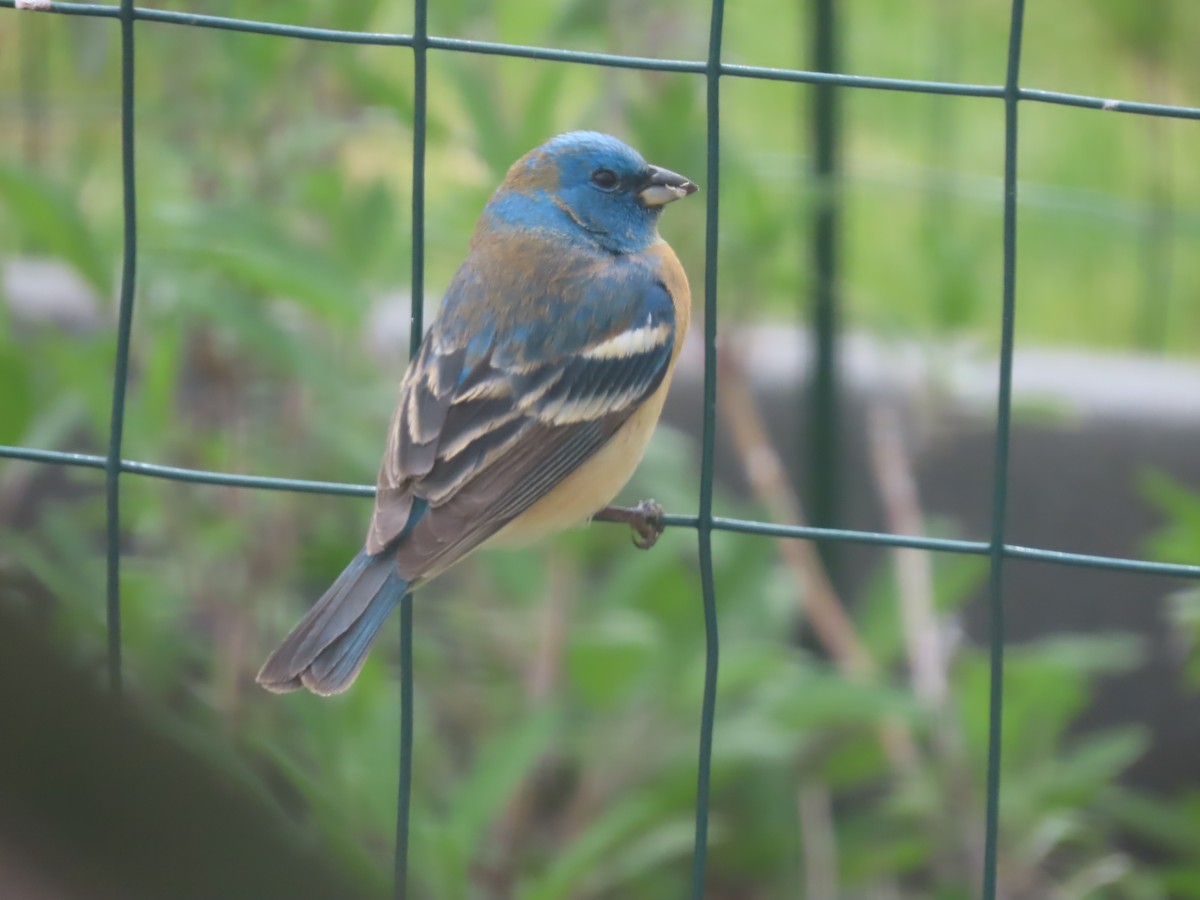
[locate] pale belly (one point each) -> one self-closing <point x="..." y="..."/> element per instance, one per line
<point x="593" y="485"/>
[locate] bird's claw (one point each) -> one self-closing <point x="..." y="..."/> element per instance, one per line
<point x="646" y="520"/>
<point x="647" y="524"/>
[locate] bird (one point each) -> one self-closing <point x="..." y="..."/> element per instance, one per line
<point x="531" y="398"/>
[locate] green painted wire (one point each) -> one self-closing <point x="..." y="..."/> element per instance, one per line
<point x="820" y="428"/>
<point x="624" y="62"/>
<point x="673" y="520"/>
<point x="997" y="553"/>
<point x="112" y="467"/>
<point x="720" y="523"/>
<point x="420" y="97"/>
<point x="704" y="525"/>
<point x="416" y="328"/>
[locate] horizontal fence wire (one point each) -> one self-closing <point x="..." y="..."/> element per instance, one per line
<point x="674" y="520"/>
<point x="616" y="61"/>
<point x="996" y="549"/>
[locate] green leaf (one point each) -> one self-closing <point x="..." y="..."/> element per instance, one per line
<point x="498" y="771"/>
<point x="1170" y="821"/>
<point x="820" y="699"/>
<point x="609" y="659"/>
<point x="476" y="82"/>
<point x="53" y="224"/>
<point x="653" y="851"/>
<point x="1094" y="763"/>
<point x="262" y="257"/>
<point x="1179" y="538"/>
<point x="589" y="853"/>
<point x="16" y="392"/>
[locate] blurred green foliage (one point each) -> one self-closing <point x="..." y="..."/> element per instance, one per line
<point x="558" y="689"/>
<point x="316" y="156"/>
<point x="1180" y="508"/>
<point x="1179" y="826"/>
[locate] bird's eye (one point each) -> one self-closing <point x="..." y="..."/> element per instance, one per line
<point x="605" y="179"/>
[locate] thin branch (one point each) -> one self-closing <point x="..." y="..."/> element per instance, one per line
<point x="928" y="659"/>
<point x="818" y="842"/>
<point x="769" y="481"/>
<point x="914" y="574"/>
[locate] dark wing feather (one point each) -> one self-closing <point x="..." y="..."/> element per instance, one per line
<point x="498" y="494"/>
<point x="450" y="474"/>
<point x="425" y="399"/>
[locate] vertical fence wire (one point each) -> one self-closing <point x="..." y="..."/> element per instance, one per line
<point x="404" y="790"/>
<point x="416" y="329"/>
<point x="1003" y="441"/>
<point x="822" y="425"/>
<point x="116" y="434"/>
<point x="705" y="523"/>
<point x="708" y="446"/>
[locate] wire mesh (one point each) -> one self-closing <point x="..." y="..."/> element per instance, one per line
<point x="1011" y="93"/>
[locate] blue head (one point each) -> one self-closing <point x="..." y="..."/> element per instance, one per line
<point x="589" y="187"/>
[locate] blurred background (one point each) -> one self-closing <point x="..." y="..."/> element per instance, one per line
<point x="558" y="688"/>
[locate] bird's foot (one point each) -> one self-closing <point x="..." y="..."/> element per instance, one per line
<point x="646" y="520"/>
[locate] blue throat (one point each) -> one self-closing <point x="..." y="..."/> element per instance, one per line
<point x="537" y="211"/>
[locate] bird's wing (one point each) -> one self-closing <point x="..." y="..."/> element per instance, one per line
<point x="492" y="418"/>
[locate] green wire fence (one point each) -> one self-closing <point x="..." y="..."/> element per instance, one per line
<point x="996" y="549"/>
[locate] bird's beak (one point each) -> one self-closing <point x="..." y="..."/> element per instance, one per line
<point x="662" y="186"/>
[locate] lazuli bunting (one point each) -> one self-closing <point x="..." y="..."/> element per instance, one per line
<point x="533" y="394"/>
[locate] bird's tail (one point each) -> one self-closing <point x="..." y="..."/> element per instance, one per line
<point x="325" y="651"/>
